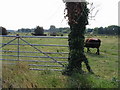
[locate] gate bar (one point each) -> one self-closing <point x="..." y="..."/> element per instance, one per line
<point x="45" y="69"/>
<point x="38" y="45"/>
<point x="65" y="37"/>
<point x="45" y="65"/>
<point x="36" y="56"/>
<point x="33" y="60"/>
<point x="35" y="52"/>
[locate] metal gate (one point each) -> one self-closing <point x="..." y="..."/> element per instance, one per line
<point x="8" y="54"/>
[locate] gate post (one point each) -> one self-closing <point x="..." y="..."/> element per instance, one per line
<point x="17" y="36"/>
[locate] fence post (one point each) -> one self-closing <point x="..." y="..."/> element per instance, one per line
<point x="17" y="36"/>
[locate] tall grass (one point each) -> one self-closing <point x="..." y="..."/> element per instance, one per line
<point x="21" y="77"/>
<point x="89" y="81"/>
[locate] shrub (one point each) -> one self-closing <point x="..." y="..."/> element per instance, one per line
<point x="3" y="31"/>
<point x="39" y="30"/>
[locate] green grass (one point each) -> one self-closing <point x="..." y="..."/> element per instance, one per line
<point x="105" y="66"/>
<point x="89" y="81"/>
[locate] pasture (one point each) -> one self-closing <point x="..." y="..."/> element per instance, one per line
<point x="105" y="66"/>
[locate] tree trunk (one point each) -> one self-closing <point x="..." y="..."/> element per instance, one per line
<point x="77" y="22"/>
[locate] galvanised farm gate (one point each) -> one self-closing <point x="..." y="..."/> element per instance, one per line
<point x="14" y="49"/>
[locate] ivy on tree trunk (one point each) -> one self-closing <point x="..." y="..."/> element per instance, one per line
<point x="77" y="13"/>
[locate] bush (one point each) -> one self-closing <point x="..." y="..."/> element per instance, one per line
<point x="39" y="30"/>
<point x="3" y="31"/>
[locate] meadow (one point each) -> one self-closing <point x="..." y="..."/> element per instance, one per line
<point x="105" y="66"/>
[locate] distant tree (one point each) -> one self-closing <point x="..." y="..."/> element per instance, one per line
<point x="39" y="30"/>
<point x="52" y="29"/>
<point x="113" y="29"/>
<point x="101" y="30"/>
<point x="89" y="30"/>
<point x="25" y="30"/>
<point x="3" y="31"/>
<point x="63" y="30"/>
<point x="110" y="30"/>
<point x="22" y="30"/>
<point x="95" y="30"/>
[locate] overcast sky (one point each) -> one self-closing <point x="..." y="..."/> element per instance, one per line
<point x="16" y="14"/>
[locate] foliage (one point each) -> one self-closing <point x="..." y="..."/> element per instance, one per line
<point x="77" y="13"/>
<point x="110" y="30"/>
<point x="53" y="31"/>
<point x="64" y="30"/>
<point x="25" y="30"/>
<point x="3" y="31"/>
<point x="52" y="28"/>
<point x="39" y="30"/>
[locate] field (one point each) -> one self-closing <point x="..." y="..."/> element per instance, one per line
<point x="105" y="66"/>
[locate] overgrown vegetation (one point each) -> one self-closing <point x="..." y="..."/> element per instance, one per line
<point x="20" y="76"/>
<point x="77" y="13"/>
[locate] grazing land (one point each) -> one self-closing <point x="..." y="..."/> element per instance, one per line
<point x="105" y="66"/>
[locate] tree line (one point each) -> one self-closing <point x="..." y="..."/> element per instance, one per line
<point x="52" y="31"/>
<point x="110" y="30"/>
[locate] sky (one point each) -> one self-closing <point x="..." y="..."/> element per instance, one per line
<point x="17" y="14"/>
